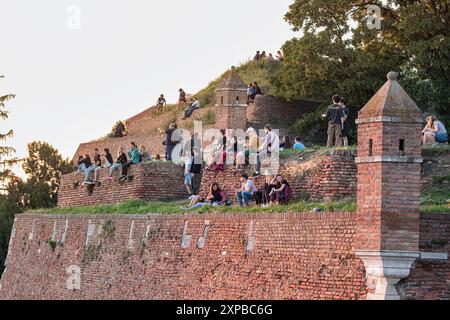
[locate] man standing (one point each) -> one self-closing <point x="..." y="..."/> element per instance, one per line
<point x="170" y="142"/>
<point x="160" y="104"/>
<point x="334" y="116"/>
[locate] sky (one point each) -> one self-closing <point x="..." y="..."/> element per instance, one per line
<point x="79" y="66"/>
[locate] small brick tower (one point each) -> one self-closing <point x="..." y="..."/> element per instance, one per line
<point x="389" y="165"/>
<point x="231" y="102"/>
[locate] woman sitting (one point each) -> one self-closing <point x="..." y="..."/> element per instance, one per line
<point x="215" y="198"/>
<point x="434" y="132"/>
<point x="281" y="192"/>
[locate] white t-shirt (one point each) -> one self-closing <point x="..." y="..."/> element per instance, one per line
<point x="250" y="186"/>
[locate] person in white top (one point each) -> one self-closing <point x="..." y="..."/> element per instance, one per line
<point x="434" y="132"/>
<point x="245" y="193"/>
<point x="271" y="142"/>
<point x="194" y="106"/>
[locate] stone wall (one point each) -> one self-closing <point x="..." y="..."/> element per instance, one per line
<point x="329" y="176"/>
<point x="151" y="181"/>
<point x="277" y="111"/>
<point x="244" y="256"/>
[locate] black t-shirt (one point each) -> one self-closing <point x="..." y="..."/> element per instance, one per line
<point x="97" y="160"/>
<point x="122" y="158"/>
<point x="196" y="167"/>
<point x="86" y="161"/>
<point x="334" y="114"/>
<point x="161" y="101"/>
<point x="109" y="157"/>
<point x="217" y="197"/>
<point x="169" y="133"/>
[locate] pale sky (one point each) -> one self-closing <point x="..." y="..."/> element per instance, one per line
<point x="72" y="84"/>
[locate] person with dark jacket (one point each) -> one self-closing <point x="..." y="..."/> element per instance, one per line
<point x="196" y="170"/>
<point x="121" y="160"/>
<point x="334" y="115"/>
<point x="84" y="163"/>
<point x="170" y="141"/>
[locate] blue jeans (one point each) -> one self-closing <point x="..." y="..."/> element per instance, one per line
<point x="169" y="150"/>
<point x="244" y="198"/>
<point x="441" y="138"/>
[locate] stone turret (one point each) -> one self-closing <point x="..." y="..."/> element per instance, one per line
<point x="389" y="165"/>
<point x="231" y="102"/>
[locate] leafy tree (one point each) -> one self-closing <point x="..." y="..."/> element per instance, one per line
<point x="44" y="167"/>
<point x="340" y="54"/>
<point x="7" y="206"/>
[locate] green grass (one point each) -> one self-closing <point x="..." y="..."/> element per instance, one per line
<point x="435" y="197"/>
<point x="142" y="207"/>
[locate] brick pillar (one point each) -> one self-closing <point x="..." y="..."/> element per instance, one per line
<point x="389" y="165"/>
<point x="231" y="102"/>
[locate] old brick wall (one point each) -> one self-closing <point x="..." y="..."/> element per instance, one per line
<point x="277" y="111"/>
<point x="151" y="181"/>
<point x="330" y="176"/>
<point x="430" y="280"/>
<point x="243" y="256"/>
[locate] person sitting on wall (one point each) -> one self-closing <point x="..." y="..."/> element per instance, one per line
<point x="107" y="158"/>
<point x="298" y="145"/>
<point x="160" y="104"/>
<point x="250" y="93"/>
<point x="245" y="193"/>
<point x="194" y="106"/>
<point x="262" y="195"/>
<point x="97" y="165"/>
<point x="256" y="91"/>
<point x="84" y="162"/>
<point x="216" y="197"/>
<point x="144" y="154"/>
<point x="281" y="192"/>
<point x="434" y="132"/>
<point x="134" y="156"/>
<point x="121" y="160"/>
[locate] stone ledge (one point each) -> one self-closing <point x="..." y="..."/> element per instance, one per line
<point x="387" y="119"/>
<point x="396" y="159"/>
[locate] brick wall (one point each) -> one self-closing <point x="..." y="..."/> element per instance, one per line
<point x="277" y="111"/>
<point x="430" y="280"/>
<point x="244" y="256"/>
<point x="330" y="176"/>
<point x="151" y="181"/>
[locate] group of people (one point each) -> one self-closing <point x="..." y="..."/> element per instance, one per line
<point x="262" y="55"/>
<point x="338" y="126"/>
<point x="252" y="91"/>
<point x="274" y="191"/>
<point x="92" y="168"/>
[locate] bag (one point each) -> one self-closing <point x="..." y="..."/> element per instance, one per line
<point x="228" y="203"/>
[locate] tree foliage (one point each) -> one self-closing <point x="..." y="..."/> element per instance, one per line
<point x="338" y="53"/>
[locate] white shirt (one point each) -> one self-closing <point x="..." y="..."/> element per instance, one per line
<point x="196" y="104"/>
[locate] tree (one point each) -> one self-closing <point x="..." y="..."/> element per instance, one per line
<point x="7" y="206"/>
<point x="44" y="167"/>
<point x="340" y="54"/>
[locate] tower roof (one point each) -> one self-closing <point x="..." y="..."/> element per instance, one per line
<point x="391" y="103"/>
<point x="232" y="81"/>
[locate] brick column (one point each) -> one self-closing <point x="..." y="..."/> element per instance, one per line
<point x="389" y="165"/>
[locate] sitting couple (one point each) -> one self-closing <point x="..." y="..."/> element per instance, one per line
<point x="274" y="192"/>
<point x="215" y="198"/>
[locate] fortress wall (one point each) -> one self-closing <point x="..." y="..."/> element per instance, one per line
<point x="331" y="176"/>
<point x="151" y="181"/>
<point x="280" y="113"/>
<point x="243" y="256"/>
